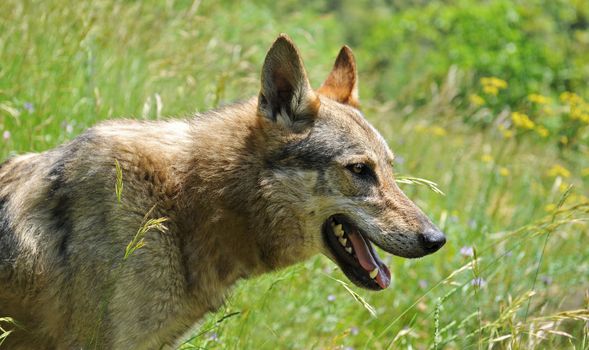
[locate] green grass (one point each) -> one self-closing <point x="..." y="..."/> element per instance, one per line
<point x="66" y="65"/>
<point x="6" y="324"/>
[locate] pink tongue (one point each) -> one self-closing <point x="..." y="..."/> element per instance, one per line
<point x="367" y="260"/>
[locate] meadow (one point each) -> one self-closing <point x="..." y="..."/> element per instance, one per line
<point x="489" y="100"/>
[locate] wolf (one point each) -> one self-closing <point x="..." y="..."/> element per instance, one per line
<point x="242" y="190"/>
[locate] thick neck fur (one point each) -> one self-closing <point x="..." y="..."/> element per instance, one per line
<point x="222" y="211"/>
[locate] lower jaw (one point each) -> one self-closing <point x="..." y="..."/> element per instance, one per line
<point x="356" y="274"/>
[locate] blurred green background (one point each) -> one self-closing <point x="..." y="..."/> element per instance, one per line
<point x="489" y="99"/>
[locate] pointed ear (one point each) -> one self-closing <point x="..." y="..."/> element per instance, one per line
<point x="286" y="96"/>
<point x="342" y="83"/>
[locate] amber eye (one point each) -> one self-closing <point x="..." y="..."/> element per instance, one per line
<point x="362" y="170"/>
<point x="358" y="168"/>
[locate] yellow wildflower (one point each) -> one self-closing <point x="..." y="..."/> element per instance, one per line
<point x="575" y="113"/>
<point x="550" y="207"/>
<point x="539" y="99"/>
<point x="492" y="85"/>
<point x="486" y="81"/>
<point x="420" y="128"/>
<point x="487" y="158"/>
<point x="564" y="140"/>
<point x="500" y="83"/>
<point x="558" y="170"/>
<point x="522" y="121"/>
<point x="490" y="90"/>
<point x="438" y="131"/>
<point x="542" y="131"/>
<point x="563" y="187"/>
<point x="585" y="172"/>
<point x="584" y="118"/>
<point x="503" y="171"/>
<point x="507" y="134"/>
<point x="476" y="100"/>
<point x="571" y="98"/>
<point x="494" y="81"/>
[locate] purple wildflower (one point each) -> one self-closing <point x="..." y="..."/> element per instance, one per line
<point x="478" y="282"/>
<point x="467" y="252"/>
<point x="423" y="284"/>
<point x="29" y="107"/>
<point x="547" y="280"/>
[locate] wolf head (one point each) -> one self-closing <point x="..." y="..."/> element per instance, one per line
<point x="330" y="173"/>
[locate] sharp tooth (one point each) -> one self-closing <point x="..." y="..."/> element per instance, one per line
<point x="343" y="241"/>
<point x="374" y="273"/>
<point x="349" y="250"/>
<point x="338" y="230"/>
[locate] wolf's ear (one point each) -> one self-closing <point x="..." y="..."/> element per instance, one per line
<point x="342" y="83"/>
<point x="286" y="96"/>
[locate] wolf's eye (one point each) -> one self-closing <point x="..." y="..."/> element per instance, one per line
<point x="358" y="168"/>
<point x="361" y="170"/>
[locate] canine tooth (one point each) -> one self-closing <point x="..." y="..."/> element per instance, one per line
<point x="374" y="273"/>
<point x="338" y="230"/>
<point x="349" y="250"/>
<point x="343" y="241"/>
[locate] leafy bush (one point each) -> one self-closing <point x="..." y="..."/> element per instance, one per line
<point x="536" y="46"/>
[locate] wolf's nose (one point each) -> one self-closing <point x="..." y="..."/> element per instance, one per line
<point x="433" y="239"/>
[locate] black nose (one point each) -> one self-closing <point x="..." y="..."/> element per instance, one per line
<point x="433" y="240"/>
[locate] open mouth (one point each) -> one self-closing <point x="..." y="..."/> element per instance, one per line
<point x="354" y="254"/>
